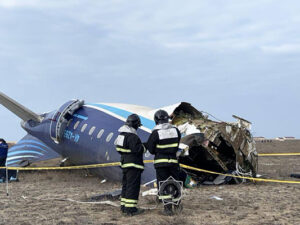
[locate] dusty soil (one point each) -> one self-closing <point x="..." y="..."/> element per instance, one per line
<point x="38" y="199"/>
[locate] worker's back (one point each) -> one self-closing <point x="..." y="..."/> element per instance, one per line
<point x="3" y="151"/>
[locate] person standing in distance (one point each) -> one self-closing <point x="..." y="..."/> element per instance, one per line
<point x="3" y="155"/>
<point x="163" y="143"/>
<point x="131" y="149"/>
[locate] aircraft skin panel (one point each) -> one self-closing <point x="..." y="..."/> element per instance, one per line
<point x="81" y="145"/>
<point x="33" y="141"/>
<point x="147" y="124"/>
<point x="29" y="150"/>
<point x="88" y="149"/>
<point x="21" y="151"/>
<point x="141" y="110"/>
<point x="169" y="109"/>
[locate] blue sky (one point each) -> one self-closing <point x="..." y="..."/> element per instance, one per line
<point x="225" y="57"/>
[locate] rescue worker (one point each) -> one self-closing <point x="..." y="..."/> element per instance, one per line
<point x="3" y="155"/>
<point x="129" y="145"/>
<point x="163" y="143"/>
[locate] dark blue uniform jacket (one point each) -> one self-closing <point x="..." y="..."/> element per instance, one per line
<point x="3" y="150"/>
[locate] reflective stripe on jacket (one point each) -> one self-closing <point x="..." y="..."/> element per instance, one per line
<point x="130" y="147"/>
<point x="163" y="143"/>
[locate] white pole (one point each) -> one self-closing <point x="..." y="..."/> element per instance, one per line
<point x="7" y="194"/>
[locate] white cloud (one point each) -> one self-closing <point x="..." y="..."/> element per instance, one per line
<point x="175" y="24"/>
<point x="58" y="43"/>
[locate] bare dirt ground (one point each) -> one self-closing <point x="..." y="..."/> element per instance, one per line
<point x="37" y="199"/>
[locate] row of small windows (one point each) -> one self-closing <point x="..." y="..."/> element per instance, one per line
<point x="91" y="131"/>
<point x="83" y="127"/>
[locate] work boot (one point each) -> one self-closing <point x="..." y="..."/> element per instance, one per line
<point x="178" y="208"/>
<point x="137" y="212"/>
<point x="168" y="210"/>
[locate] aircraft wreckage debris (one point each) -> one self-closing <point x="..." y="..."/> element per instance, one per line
<point x="230" y="147"/>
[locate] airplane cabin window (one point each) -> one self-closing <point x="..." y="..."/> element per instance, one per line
<point x="76" y="124"/>
<point x="100" y="133"/>
<point x="69" y="122"/>
<point x="108" y="138"/>
<point x="83" y="127"/>
<point x="115" y="142"/>
<point x="92" y="130"/>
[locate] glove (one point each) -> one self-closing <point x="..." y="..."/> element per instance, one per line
<point x="178" y="153"/>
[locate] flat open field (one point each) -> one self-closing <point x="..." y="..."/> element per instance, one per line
<point x="38" y="199"/>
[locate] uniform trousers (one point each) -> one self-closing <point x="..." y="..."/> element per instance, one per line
<point x="163" y="173"/>
<point x="2" y="171"/>
<point x="130" y="188"/>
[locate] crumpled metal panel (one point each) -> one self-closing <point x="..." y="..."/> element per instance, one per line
<point x="235" y="136"/>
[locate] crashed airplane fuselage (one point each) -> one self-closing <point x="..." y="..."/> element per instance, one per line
<point x="84" y="133"/>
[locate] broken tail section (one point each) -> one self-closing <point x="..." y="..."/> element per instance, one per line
<point x="28" y="150"/>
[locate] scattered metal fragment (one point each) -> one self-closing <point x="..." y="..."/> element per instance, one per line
<point x="295" y="175"/>
<point x="152" y="191"/>
<point x="216" y="197"/>
<point x="112" y="195"/>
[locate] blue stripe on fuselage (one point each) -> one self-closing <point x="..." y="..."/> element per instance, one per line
<point x="80" y="116"/>
<point x="8" y="162"/>
<point x="123" y="113"/>
<point x="32" y="142"/>
<point x="22" y="152"/>
<point x="22" y="146"/>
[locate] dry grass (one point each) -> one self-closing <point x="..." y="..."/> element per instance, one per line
<point x="246" y="204"/>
